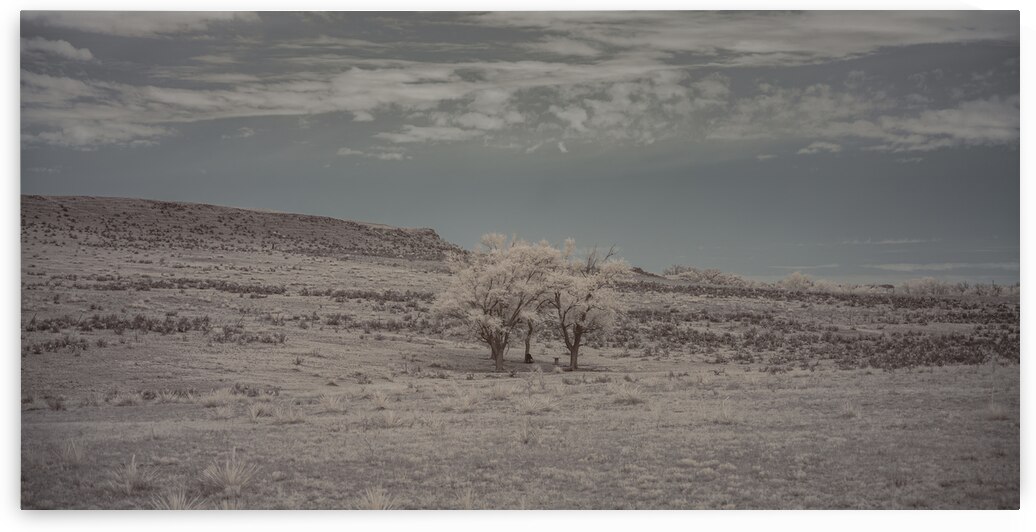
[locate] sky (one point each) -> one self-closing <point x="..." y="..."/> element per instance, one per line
<point x="851" y="146"/>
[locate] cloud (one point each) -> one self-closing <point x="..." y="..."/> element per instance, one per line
<point x="623" y="78"/>
<point x="412" y="134"/>
<point x="241" y="133"/>
<point x="562" y="148"/>
<point x="136" y="24"/>
<point x="764" y="157"/>
<point x="564" y="47"/>
<point x="380" y="155"/>
<point x="945" y="266"/>
<point x="59" y="48"/>
<point x="820" y="147"/>
<point x="88" y="135"/>
<point x="763" y="39"/>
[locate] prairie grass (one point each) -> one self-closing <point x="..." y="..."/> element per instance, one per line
<point x="627" y="393"/>
<point x="466" y="500"/>
<point x="131" y="477"/>
<point x="229" y="476"/>
<point x="536" y="404"/>
<point x="463" y="401"/>
<point x="220" y="397"/>
<point x="376" y="499"/>
<point x="286" y="414"/>
<point x="501" y="392"/>
<point x="849" y="410"/>
<point x="223" y="412"/>
<point x="527" y="433"/>
<point x="176" y="499"/>
<point x="257" y="410"/>
<point x="332" y="402"/>
<point x="725" y="414"/>
<point x="380" y="400"/>
<point x="70" y="454"/>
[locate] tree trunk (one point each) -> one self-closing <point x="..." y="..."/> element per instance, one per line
<point x="497" y="348"/>
<point x="573" y="350"/>
<point x="528" y="341"/>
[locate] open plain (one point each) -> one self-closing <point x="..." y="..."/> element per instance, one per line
<point x="180" y="355"/>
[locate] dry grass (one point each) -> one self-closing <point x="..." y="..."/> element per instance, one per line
<point x="466" y="500"/>
<point x="627" y="393"/>
<point x="70" y="454"/>
<point x="132" y="477"/>
<point x="332" y="403"/>
<point x="376" y="499"/>
<point x="287" y="414"/>
<point x="258" y="410"/>
<point x="536" y="404"/>
<point x="176" y="499"/>
<point x="215" y="398"/>
<point x="229" y="476"/>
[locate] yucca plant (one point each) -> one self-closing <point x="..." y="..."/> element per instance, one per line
<point x="229" y="476"/>
<point x="376" y="499"/>
<point x="176" y="500"/>
<point x="132" y="477"/>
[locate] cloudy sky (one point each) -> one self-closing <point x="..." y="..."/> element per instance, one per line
<point x="848" y="145"/>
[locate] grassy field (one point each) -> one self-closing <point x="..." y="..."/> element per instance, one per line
<point x="160" y="371"/>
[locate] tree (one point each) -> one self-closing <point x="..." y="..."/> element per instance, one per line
<point x="796" y="282"/>
<point x="581" y="297"/>
<point x="498" y="289"/>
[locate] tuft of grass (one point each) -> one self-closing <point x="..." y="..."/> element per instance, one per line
<point x="461" y="401"/>
<point x="849" y="411"/>
<point x="230" y="504"/>
<point x="391" y="419"/>
<point x="501" y="392"/>
<point x="176" y="499"/>
<point x="257" y="410"/>
<point x="332" y="402"/>
<point x="466" y="500"/>
<point x="288" y="415"/>
<point x="527" y="433"/>
<point x="376" y="499"/>
<point x="381" y="401"/>
<point x="627" y="393"/>
<point x="725" y="414"/>
<point x="224" y="412"/>
<point x="131" y="477"/>
<point x="535" y="404"/>
<point x="70" y="454"/>
<point x="220" y="397"/>
<point x="230" y="476"/>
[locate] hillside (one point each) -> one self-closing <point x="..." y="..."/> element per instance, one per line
<point x="155" y="225"/>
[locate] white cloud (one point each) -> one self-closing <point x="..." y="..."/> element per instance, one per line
<point x="380" y="155"/>
<point x="411" y="134"/>
<point x="765" y="157"/>
<point x="136" y="24"/>
<point x="562" y="148"/>
<point x="561" y="46"/>
<point x="241" y="133"/>
<point x="764" y="39"/>
<point x="59" y="48"/>
<point x="820" y="147"/>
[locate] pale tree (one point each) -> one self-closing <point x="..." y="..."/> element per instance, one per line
<point x="498" y="289"/>
<point x="583" y="303"/>
<point x="796" y="282"/>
